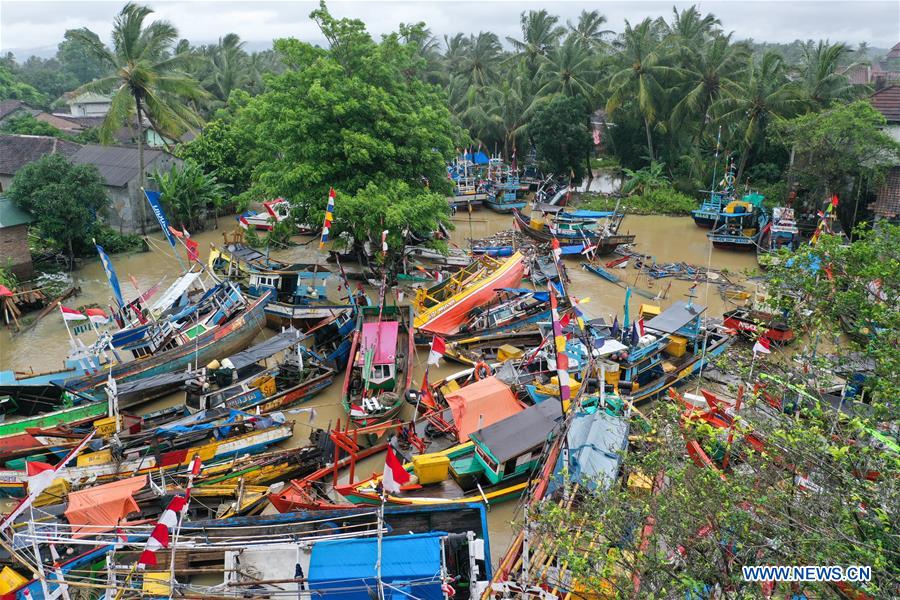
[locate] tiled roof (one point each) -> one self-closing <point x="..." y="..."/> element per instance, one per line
<point x="69" y="125"/>
<point x="887" y="202"/>
<point x="17" y="151"/>
<point x="858" y="74"/>
<point x="895" y="51"/>
<point x="887" y="102"/>
<point x="7" y="107"/>
<point x="117" y="164"/>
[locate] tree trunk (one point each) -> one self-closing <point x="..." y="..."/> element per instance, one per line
<point x="649" y="138"/>
<point x="140" y="143"/>
<point x="740" y="171"/>
<point x="71" y="255"/>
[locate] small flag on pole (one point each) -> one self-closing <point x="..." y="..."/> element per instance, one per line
<point x="395" y="476"/>
<point x="329" y="217"/>
<point x="97" y="316"/>
<point x="70" y="314"/>
<point x="557" y="251"/>
<point x="762" y="346"/>
<point x="437" y="350"/>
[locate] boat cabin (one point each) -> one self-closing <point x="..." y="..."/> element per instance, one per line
<point x="784" y="232"/>
<point x="376" y="359"/>
<point x="514" y="446"/>
<point x="293" y="286"/>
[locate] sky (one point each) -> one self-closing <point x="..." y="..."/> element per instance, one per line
<point x="36" y="26"/>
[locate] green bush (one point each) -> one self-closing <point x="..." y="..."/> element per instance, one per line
<point x="114" y="242"/>
<point x="659" y="201"/>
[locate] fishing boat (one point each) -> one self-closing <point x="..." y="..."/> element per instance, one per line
<point x="492" y="467"/>
<point x="468" y="191"/>
<point x="443" y="308"/>
<point x="758" y="323"/>
<point x="380" y="369"/>
<point x="741" y="224"/>
<point x="603" y="237"/>
<point x="299" y="293"/>
<point x="276" y="210"/>
<point x="504" y="196"/>
<point x="601" y="272"/>
<point x="781" y="232"/>
<point x="18" y="434"/>
<point x="489" y="348"/>
<point x="709" y="213"/>
<point x="515" y="308"/>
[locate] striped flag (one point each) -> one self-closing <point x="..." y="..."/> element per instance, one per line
<point x="329" y="217"/>
<point x="70" y="314"/>
<point x="159" y="537"/>
<point x="97" y="316"/>
<point x="559" y="343"/>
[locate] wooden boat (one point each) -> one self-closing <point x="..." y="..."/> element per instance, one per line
<point x="756" y="323"/>
<point x="505" y="196"/>
<point x="600" y="271"/>
<point x="781" y="232"/>
<point x="605" y="243"/>
<point x="516" y="308"/>
<point x="442" y="308"/>
<point x="741" y="224"/>
<point x="276" y="210"/>
<point x="492" y="467"/>
<point x="708" y="215"/>
<point x="299" y="295"/>
<point x="15" y="434"/>
<point x="380" y="369"/>
<point x="100" y="466"/>
<point x="492" y="347"/>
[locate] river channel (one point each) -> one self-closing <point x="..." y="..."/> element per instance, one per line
<point x="668" y="239"/>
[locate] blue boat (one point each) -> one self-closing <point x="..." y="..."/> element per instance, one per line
<point x="707" y="215"/>
<point x="503" y="196"/>
<point x="741" y="224"/>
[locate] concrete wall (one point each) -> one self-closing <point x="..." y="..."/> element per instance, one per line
<point x="14" y="250"/>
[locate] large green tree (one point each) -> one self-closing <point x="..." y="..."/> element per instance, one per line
<point x="78" y="58"/>
<point x="347" y="117"/>
<point x="560" y="133"/>
<point x="65" y="199"/>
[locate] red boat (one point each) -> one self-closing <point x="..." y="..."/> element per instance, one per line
<point x="756" y="323"/>
<point x="443" y="308"/>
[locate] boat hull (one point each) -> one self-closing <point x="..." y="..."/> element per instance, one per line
<point x="763" y="324"/>
<point x="604" y="245"/>
<point x="447" y="317"/>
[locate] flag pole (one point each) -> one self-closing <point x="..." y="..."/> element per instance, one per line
<point x="378" y="581"/>
<point x="66" y="323"/>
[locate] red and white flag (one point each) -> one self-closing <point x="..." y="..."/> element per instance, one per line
<point x="437" y="350"/>
<point x="97" y="316"/>
<point x="557" y="251"/>
<point x="357" y="411"/>
<point x="395" y="476"/>
<point x="70" y="314"/>
<point x="588" y="248"/>
<point x="762" y="345"/>
<point x="641" y="326"/>
<point x="159" y="537"/>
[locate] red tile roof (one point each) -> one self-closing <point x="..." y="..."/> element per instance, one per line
<point x="859" y="74"/>
<point x="887" y="202"/>
<point x="887" y="102"/>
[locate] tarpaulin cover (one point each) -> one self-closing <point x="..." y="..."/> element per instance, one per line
<point x="539" y="296"/>
<point x="479" y="158"/>
<point x="675" y="317"/>
<point x="103" y="506"/>
<point x="263" y="350"/>
<point x="587" y="214"/>
<point x="344" y="569"/>
<point x="596" y="444"/>
<point x="153" y="383"/>
<point x="481" y="404"/>
<point x="383" y="338"/>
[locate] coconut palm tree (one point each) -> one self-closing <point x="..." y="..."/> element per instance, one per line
<point x="569" y="69"/>
<point x="704" y="70"/>
<point x="638" y="74"/>
<point x="762" y="96"/>
<point x="588" y="30"/>
<point x="819" y="76"/>
<point x="480" y="64"/>
<point x="229" y="67"/>
<point x="689" y="27"/>
<point x="146" y="80"/>
<point x="540" y="33"/>
<point x="511" y="104"/>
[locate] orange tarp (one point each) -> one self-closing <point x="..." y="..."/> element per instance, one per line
<point x="103" y="506"/>
<point x="481" y="404"/>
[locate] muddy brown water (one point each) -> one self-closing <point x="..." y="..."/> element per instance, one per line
<point x="669" y="239"/>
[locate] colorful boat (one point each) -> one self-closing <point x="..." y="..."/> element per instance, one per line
<point x="494" y="466"/>
<point x="605" y="241"/>
<point x="781" y="232"/>
<point x="516" y="308"/>
<point x="708" y="215"/>
<point x="741" y="224"/>
<point x="277" y="210"/>
<point x="492" y="347"/>
<point x="756" y="323"/>
<point x="505" y="196"/>
<point x="17" y="434"/>
<point x="380" y="369"/>
<point x="443" y="308"/>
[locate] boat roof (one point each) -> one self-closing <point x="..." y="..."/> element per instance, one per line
<point x="404" y="558"/>
<point x="675" y="317"/>
<point x="175" y="291"/>
<point x="597" y="443"/>
<point x="481" y="404"/>
<point x="547" y="208"/>
<point x="382" y="337"/>
<point x="270" y="347"/>
<point x="588" y="214"/>
<point x="98" y="509"/>
<point x="519" y="433"/>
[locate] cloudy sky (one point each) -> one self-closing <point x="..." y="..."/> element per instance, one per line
<point x="35" y="26"/>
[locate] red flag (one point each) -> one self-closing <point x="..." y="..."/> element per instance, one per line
<point x="70" y="314"/>
<point x="762" y="345"/>
<point x="641" y="326"/>
<point x="175" y="232"/>
<point x="834" y="200"/>
<point x="438" y="347"/>
<point x="96" y="315"/>
<point x="395" y="476"/>
<point x="193" y="253"/>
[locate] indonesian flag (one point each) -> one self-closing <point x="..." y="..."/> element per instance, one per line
<point x="395" y="476"/>
<point x="159" y="538"/>
<point x="437" y="350"/>
<point x="640" y="325"/>
<point x="357" y="411"/>
<point x="762" y="345"/>
<point x="588" y="248"/>
<point x="40" y="476"/>
<point x="97" y="316"/>
<point x="70" y="314"/>
<point x="557" y="251"/>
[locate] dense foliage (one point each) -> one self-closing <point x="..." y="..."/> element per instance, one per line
<point x="188" y="193"/>
<point x="65" y="200"/>
<point x="561" y="137"/>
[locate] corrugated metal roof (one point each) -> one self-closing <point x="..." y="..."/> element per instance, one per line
<point x="117" y="164"/>
<point x="17" y="151"/>
<point x="11" y="215"/>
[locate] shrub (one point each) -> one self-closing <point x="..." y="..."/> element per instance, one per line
<point x="659" y="201"/>
<point x="114" y="242"/>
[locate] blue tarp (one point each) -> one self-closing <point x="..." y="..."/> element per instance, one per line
<point x="479" y="158"/>
<point x="569" y="250"/>
<point x="597" y="441"/>
<point x="494" y="250"/>
<point x="587" y="214"/>
<point x="345" y="569"/>
<point x="539" y="296"/>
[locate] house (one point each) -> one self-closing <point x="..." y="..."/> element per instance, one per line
<point x="887" y="199"/>
<point x="878" y="74"/>
<point x="14" y="224"/>
<point x="118" y="166"/>
<point x="14" y="108"/>
<point x="89" y="104"/>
